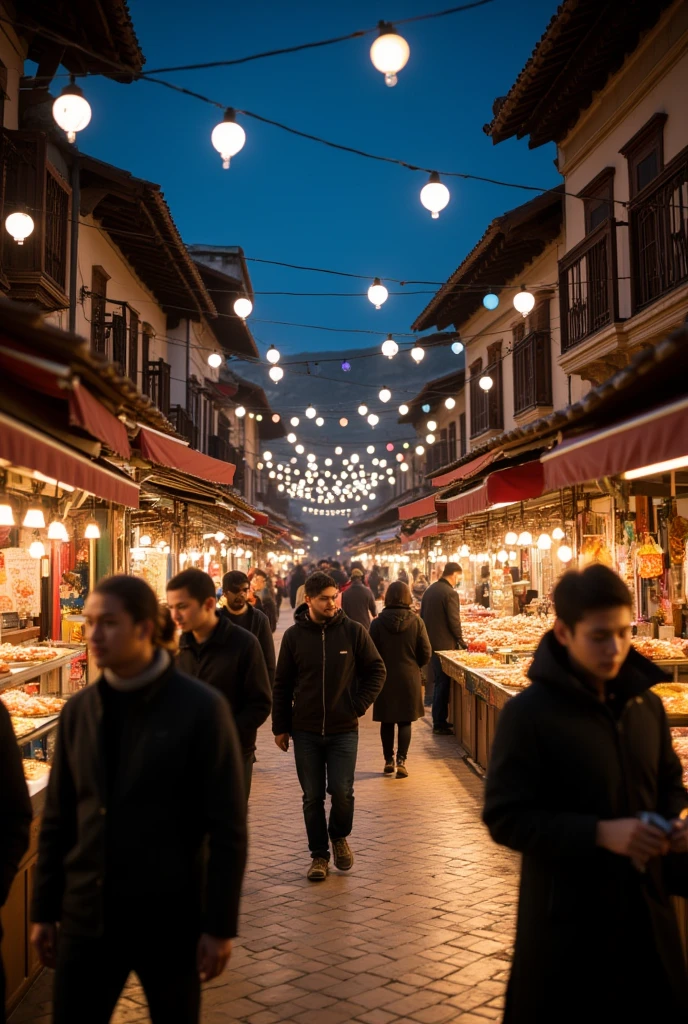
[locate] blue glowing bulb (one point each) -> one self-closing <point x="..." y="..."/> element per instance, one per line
<point x="491" y="301"/>
<point x="426" y="408"/>
<point x="346" y="366"/>
<point x="457" y="348"/>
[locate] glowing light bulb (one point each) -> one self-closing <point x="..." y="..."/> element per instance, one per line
<point x="373" y="419"/>
<point x="430" y="438"/>
<point x="524" y="301"/>
<point x="389" y="53"/>
<point x="502" y="556"/>
<point x="419" y="449"/>
<point x="491" y="301"/>
<point x="385" y="395"/>
<point x="417" y="354"/>
<point x="37" y="549"/>
<point x="215" y="360"/>
<point x="525" y="539"/>
<point x="431" y="425"/>
<point x="272" y="355"/>
<point x="228" y="137"/>
<point x="544" y="542"/>
<point x="92" y="531"/>
<point x="6" y="515"/>
<point x="457" y="348"/>
<point x="363" y="410"/>
<point x="20" y="226"/>
<point x="564" y="553"/>
<point x="267" y="456"/>
<point x="243" y="307"/>
<point x="434" y="195"/>
<point x="311" y="413"/>
<point x="465" y="551"/>
<point x="511" y="538"/>
<point x="320" y="422"/>
<point x="377" y="293"/>
<point x="343" y="422"/>
<point x="275" y="373"/>
<point x="403" y="410"/>
<point x="389" y="347"/>
<point x="57" y="530"/>
<point x="558" y="533"/>
<point x="71" y="110"/>
<point x="294" y="421"/>
<point x="34" y="518"/>
<point x="486" y="382"/>
<point x="240" y="411"/>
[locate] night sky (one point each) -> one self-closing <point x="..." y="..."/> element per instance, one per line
<point x="288" y="199"/>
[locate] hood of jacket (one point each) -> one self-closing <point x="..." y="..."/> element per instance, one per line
<point x="396" y="619"/>
<point x="302" y="618"/>
<point x="552" y="666"/>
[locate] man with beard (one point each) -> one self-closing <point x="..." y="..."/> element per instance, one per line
<point x="236" y="588"/>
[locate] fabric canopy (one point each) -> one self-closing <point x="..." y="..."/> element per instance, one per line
<point x="430" y="530"/>
<point x="244" y="530"/>
<point x="632" y="444"/>
<point x="468" y="469"/>
<point x="85" y="411"/>
<point x="27" y="448"/>
<point x="504" y="487"/>
<point x="422" y="507"/>
<point x="166" y="451"/>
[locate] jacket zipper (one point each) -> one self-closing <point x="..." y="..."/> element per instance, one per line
<point x="323" y="679"/>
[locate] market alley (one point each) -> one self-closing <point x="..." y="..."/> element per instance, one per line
<point x="420" y="930"/>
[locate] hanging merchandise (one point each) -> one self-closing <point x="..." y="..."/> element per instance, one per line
<point x="650" y="559"/>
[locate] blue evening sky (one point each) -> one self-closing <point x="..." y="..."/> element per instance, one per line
<point x="288" y="199"/>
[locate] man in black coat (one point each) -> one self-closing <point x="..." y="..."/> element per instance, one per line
<point x="358" y="602"/>
<point x="577" y="759"/>
<point x="236" y="588"/>
<point x="15" y="819"/>
<point x="229" y="658"/>
<point x="328" y="674"/>
<point x="440" y="610"/>
<point x="143" y="842"/>
<point x="298" y="578"/>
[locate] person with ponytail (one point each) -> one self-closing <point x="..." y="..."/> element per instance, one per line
<point x="143" y="843"/>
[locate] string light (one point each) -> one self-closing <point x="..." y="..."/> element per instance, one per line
<point x="346" y="366"/>
<point x="403" y="410"/>
<point x="385" y="395"/>
<point x="486" y="382"/>
<point x="363" y="410"/>
<point x="564" y="553"/>
<point x="37" y="549"/>
<point x="215" y="360"/>
<point x="491" y="301"/>
<point x="425" y="407"/>
<point x="275" y="373"/>
<point x="373" y="419"/>
<point x="511" y="538"/>
<point x="20" y="226"/>
<point x="389" y="53"/>
<point x="525" y="539"/>
<point x="343" y="422"/>
<point x="457" y="348"/>
<point x="389" y="347"/>
<point x="420" y="449"/>
<point x="311" y="413"/>
<point x="272" y="355"/>
<point x="431" y="425"/>
<point x="320" y="422"/>
<point x="228" y="137"/>
<point x="377" y="293"/>
<point x="417" y="354"/>
<point x="449" y="403"/>
<point x="434" y="195"/>
<point x="71" y="110"/>
<point x="243" y="307"/>
<point x="240" y="411"/>
<point x="524" y="301"/>
<point x="430" y="438"/>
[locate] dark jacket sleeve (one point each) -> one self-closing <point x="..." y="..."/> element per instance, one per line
<point x="372" y="607"/>
<point x="267" y="645"/>
<point x="370" y="670"/>
<point x="270" y="609"/>
<point x="283" y="693"/>
<point x="257" y="690"/>
<point x="453" y="609"/>
<point x="423" y="646"/>
<point x="58" y="833"/>
<point x="15" y="806"/>
<point x="225" y="821"/>
<point x="513" y="811"/>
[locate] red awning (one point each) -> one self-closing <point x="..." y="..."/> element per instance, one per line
<point x="422" y="507"/>
<point x="166" y="451"/>
<point x="645" y="440"/>
<point x="504" y="487"/>
<point x="468" y="469"/>
<point x="431" y="530"/>
<point x="27" y="448"/>
<point x="259" y="518"/>
<point x="85" y="411"/>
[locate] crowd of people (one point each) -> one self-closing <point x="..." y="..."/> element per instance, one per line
<point x="143" y="842"/>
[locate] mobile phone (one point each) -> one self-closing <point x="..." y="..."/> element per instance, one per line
<point x="652" y="818"/>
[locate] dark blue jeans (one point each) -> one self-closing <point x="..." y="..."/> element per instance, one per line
<point x="440" y="697"/>
<point x="326" y="764"/>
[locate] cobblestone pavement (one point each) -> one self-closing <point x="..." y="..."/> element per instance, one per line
<point x="419" y="932"/>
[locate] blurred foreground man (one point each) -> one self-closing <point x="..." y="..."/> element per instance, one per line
<point x="143" y="844"/>
<point x="577" y="761"/>
<point x="328" y="674"/>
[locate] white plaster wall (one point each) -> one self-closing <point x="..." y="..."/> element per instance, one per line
<point x="654" y="79"/>
<point x="14" y="62"/>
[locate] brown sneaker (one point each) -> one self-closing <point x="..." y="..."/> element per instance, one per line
<point x="343" y="855"/>
<point x="389" y="767"/>
<point x="317" y="872"/>
<point x="402" y="770"/>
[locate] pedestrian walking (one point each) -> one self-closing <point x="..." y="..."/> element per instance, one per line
<point x="227" y="657"/>
<point x="15" y="820"/>
<point x="374" y="579"/>
<point x="338" y="575"/>
<point x="328" y="675"/>
<point x="578" y="761"/>
<point x="420" y="585"/>
<point x="235" y="590"/>
<point x="280" y="592"/>
<point x="440" y="610"/>
<point x="482" y="589"/>
<point x="402" y="640"/>
<point x="298" y="578"/>
<point x="143" y="843"/>
<point x="358" y="602"/>
<point x="263" y="590"/>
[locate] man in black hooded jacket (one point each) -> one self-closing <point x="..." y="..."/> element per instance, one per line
<point x="328" y="674"/>
<point x="577" y="759"/>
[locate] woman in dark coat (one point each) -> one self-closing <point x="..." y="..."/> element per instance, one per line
<point x="402" y="640"/>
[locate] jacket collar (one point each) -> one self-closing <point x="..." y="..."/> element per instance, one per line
<point x="220" y="635"/>
<point x="302" y="618"/>
<point x="552" y="666"/>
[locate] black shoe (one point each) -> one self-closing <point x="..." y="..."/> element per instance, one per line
<point x="389" y="767"/>
<point x="443" y="730"/>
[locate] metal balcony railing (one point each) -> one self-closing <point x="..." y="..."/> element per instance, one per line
<point x="532" y="372"/>
<point x="588" y="287"/>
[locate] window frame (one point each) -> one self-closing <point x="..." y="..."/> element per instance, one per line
<point x="649" y="139"/>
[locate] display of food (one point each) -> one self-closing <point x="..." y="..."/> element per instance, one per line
<point x="4" y="668"/>
<point x="510" y="675"/>
<point x="680" y="739"/>
<point x="511" y="632"/>
<point x="34" y="770"/>
<point x="474" y="659"/>
<point x="31" y="705"/>
<point x="15" y="655"/>
<point x="22" y="726"/>
<point x="658" y="650"/>
<point x="674" y="697"/>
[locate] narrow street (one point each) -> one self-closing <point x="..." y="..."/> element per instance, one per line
<point x="419" y="931"/>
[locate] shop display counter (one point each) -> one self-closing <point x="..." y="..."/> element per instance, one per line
<point x="56" y="678"/>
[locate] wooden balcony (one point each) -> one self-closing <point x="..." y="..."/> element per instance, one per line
<point x="183" y="424"/>
<point x="533" y="372"/>
<point x="37" y="270"/>
<point x="588" y="287"/>
<point x="156" y="384"/>
<point x="658" y="226"/>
